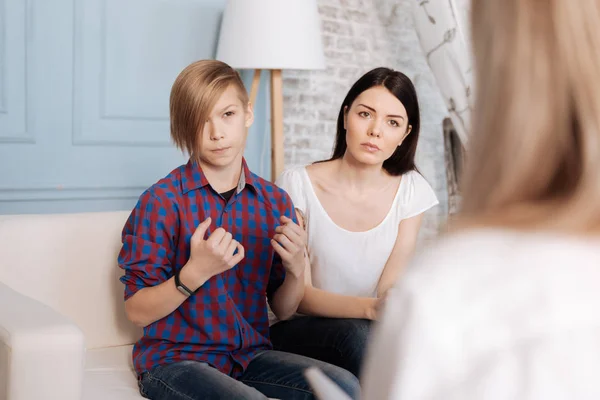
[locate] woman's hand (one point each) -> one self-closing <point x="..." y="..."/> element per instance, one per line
<point x="290" y="243"/>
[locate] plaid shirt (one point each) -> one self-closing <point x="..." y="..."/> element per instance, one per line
<point x="224" y="324"/>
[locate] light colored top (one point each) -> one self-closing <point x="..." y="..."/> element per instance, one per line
<point x="492" y="314"/>
<point x="346" y="262"/>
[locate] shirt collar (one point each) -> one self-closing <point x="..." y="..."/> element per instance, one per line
<point x="194" y="178"/>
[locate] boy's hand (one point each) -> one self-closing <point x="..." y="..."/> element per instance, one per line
<point x="212" y="256"/>
<point x="290" y="242"/>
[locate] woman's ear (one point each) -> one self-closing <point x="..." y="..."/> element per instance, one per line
<point x="408" y="130"/>
<point x="249" y="116"/>
<point x="345" y="116"/>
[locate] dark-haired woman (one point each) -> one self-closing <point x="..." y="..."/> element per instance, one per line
<point x="362" y="210"/>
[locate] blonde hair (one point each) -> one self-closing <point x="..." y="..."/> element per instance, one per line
<point x="534" y="157"/>
<point x="194" y="94"/>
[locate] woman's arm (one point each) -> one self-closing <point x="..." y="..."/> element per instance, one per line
<point x="321" y="303"/>
<point x="406" y="241"/>
<point x="325" y="304"/>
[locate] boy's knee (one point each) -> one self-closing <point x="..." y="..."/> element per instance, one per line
<point x="344" y="379"/>
<point x="353" y="388"/>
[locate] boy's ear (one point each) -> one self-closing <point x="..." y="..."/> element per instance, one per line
<point x="249" y="115"/>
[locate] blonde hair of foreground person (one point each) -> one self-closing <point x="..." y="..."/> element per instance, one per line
<point x="534" y="156"/>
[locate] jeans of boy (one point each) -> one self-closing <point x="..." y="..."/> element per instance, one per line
<point x="271" y="374"/>
<point x="337" y="341"/>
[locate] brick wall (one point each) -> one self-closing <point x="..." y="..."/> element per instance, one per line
<point x="359" y="35"/>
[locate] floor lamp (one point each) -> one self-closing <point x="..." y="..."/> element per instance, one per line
<point x="272" y="35"/>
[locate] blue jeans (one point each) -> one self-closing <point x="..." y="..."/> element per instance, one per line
<point x="271" y="374"/>
<point x="337" y="341"/>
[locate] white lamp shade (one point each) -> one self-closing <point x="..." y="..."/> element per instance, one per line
<point x="271" y="34"/>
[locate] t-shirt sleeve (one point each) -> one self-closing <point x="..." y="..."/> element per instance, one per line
<point x="291" y="181"/>
<point x="148" y="247"/>
<point x="418" y="196"/>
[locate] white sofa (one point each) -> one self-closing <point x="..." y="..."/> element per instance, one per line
<point x="63" y="330"/>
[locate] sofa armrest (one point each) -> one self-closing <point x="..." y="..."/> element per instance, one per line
<point x="41" y="352"/>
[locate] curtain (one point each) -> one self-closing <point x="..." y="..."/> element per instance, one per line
<point x="443" y="30"/>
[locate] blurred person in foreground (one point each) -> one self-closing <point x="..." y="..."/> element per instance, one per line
<point x="506" y="306"/>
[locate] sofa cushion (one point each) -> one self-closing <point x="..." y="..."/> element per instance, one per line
<point x="109" y="375"/>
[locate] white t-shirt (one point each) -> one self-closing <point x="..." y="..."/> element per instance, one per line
<point x="346" y="262"/>
<point x="492" y="314"/>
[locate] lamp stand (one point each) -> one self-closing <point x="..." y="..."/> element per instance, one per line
<point x="276" y="118"/>
<point x="276" y="124"/>
<point x="254" y="88"/>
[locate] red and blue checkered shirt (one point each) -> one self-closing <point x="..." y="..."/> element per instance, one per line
<point x="225" y="323"/>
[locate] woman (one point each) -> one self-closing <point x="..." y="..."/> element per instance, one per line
<point x="506" y="306"/>
<point x="362" y="210"/>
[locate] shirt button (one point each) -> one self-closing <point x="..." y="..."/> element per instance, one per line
<point x="243" y="330"/>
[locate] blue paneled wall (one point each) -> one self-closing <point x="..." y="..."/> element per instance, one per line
<point x="84" y="91"/>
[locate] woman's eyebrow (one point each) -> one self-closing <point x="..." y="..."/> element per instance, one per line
<point x="375" y="111"/>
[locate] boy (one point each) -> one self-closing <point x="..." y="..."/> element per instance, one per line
<point x="202" y="252"/>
